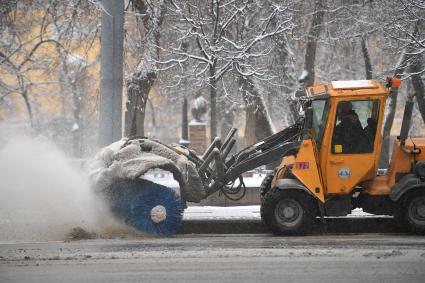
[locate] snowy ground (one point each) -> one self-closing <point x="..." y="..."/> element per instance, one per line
<point x="219" y="258"/>
<point x="251" y="212"/>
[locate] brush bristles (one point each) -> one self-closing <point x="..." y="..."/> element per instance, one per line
<point x="133" y="201"/>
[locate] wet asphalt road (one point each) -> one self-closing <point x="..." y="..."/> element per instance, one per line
<point x="219" y="258"/>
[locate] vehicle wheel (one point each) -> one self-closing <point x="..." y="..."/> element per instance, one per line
<point x="412" y="212"/>
<point x="287" y="212"/>
<point x="266" y="184"/>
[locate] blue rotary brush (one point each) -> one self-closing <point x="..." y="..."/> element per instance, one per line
<point x="147" y="206"/>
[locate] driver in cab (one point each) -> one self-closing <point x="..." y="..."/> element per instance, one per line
<point x="348" y="133"/>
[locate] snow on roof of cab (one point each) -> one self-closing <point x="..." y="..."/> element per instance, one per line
<point x="353" y="84"/>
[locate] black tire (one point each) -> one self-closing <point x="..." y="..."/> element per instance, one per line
<point x="411" y="212"/>
<point x="287" y="212"/>
<point x="266" y="185"/>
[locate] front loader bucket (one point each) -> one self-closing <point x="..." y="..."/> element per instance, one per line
<point x="117" y="175"/>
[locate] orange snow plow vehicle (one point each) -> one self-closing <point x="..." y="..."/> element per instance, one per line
<point x="335" y="168"/>
<point x="329" y="166"/>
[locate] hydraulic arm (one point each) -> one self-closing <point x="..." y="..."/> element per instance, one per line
<point x="217" y="171"/>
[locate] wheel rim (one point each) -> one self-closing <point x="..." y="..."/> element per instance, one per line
<point x="416" y="210"/>
<point x="288" y="212"/>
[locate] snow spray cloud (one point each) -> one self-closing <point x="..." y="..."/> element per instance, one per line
<point x="42" y="194"/>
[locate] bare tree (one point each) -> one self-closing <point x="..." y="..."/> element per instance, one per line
<point x="392" y="105"/>
<point x="367" y="60"/>
<point x="46" y="61"/>
<point x="412" y="52"/>
<point x="215" y="47"/>
<point x="307" y="76"/>
<point x="313" y="35"/>
<point x="418" y="86"/>
<point x="141" y="80"/>
<point x="258" y="125"/>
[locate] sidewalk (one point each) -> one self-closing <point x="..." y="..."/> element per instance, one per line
<point x="247" y="220"/>
<point x="251" y="212"/>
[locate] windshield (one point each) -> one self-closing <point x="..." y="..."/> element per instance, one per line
<point x="320" y="114"/>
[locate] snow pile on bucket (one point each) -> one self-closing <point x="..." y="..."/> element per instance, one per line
<point x="131" y="159"/>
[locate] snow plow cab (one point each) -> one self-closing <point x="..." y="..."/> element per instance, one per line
<point x="335" y="168"/>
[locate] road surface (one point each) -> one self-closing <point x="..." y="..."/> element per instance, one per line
<point x="219" y="258"/>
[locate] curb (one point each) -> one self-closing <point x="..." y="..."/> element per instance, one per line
<point x="336" y="225"/>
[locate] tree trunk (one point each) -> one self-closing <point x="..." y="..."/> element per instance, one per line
<point x="71" y="77"/>
<point x="141" y="80"/>
<point x="310" y="55"/>
<point x="227" y="119"/>
<point x="185" y="123"/>
<point x="152" y="131"/>
<point x="213" y="103"/>
<point x="138" y="88"/>
<point x="366" y="56"/>
<point x="313" y="35"/>
<point x="285" y="65"/>
<point x="77" y="126"/>
<point x="28" y="106"/>
<point x="418" y="86"/>
<point x="258" y="125"/>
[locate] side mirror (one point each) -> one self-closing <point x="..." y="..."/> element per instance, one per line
<point x="308" y="119"/>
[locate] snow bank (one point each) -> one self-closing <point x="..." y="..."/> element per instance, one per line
<point x="251" y="212"/>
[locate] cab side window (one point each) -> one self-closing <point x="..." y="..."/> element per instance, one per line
<point x="355" y="126"/>
<point x="320" y="115"/>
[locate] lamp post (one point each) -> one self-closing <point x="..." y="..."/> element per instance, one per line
<point x="111" y="71"/>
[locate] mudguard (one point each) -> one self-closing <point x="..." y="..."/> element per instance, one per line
<point x="406" y="184"/>
<point x="287" y="183"/>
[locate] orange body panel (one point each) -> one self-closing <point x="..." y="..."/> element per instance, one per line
<point x="304" y="167"/>
<point x="401" y="163"/>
